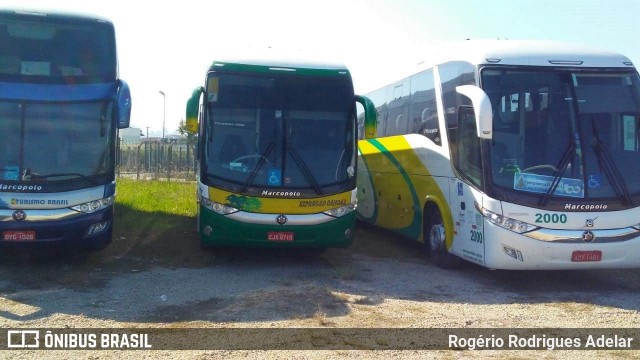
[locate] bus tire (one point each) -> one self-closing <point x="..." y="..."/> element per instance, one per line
<point x="435" y="240"/>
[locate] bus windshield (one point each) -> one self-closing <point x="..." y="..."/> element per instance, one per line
<point x="287" y="131"/>
<point x="564" y="135"/>
<point x="57" y="143"/>
<point x="56" y="50"/>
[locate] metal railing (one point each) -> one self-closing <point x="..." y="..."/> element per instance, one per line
<point x="172" y="159"/>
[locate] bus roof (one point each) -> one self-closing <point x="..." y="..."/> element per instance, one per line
<point x="281" y="61"/>
<point x="527" y="53"/>
<point x="24" y="13"/>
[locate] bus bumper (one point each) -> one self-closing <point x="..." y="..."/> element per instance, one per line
<point x="505" y="249"/>
<point x="261" y="230"/>
<point x="91" y="231"/>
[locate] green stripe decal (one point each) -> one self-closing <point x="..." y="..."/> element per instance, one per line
<point x="413" y="230"/>
<point x="374" y="216"/>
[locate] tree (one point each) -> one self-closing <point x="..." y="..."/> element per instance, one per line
<point x="192" y="138"/>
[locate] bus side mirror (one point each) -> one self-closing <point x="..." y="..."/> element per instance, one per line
<point x="123" y="108"/>
<point x="191" y="123"/>
<point x="370" y="116"/>
<point x="481" y="108"/>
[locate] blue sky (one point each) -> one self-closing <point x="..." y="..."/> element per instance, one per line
<point x="168" y="45"/>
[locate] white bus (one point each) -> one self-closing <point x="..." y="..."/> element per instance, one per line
<point x="510" y="155"/>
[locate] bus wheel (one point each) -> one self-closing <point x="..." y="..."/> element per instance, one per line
<point x="436" y="241"/>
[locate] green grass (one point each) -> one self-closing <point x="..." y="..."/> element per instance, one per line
<point x="155" y="196"/>
<point x="156" y="220"/>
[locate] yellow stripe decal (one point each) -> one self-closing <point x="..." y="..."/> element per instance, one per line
<point x="401" y="184"/>
<point x="273" y="205"/>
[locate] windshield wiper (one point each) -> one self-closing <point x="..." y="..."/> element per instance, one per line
<point x="254" y="171"/>
<point x="569" y="152"/>
<point x="608" y="166"/>
<point x="305" y="169"/>
<point x="77" y="175"/>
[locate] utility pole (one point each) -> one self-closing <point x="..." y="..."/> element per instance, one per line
<point x="164" y="111"/>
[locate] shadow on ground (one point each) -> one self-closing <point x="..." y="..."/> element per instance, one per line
<point x="156" y="272"/>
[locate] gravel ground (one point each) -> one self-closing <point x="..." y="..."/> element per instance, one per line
<point x="166" y="280"/>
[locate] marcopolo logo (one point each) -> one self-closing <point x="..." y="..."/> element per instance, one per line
<point x="281" y="193"/>
<point x="5" y="187"/>
<point x="569" y="206"/>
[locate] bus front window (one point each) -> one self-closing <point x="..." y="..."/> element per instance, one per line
<point x="563" y="135"/>
<point x="79" y="140"/>
<point x="291" y="132"/>
<point x="49" y="50"/>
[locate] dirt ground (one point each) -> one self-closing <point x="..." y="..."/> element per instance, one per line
<point x="163" y="279"/>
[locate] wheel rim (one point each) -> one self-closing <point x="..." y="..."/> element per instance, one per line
<point x="437" y="237"/>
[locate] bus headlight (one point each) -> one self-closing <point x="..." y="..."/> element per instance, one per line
<point x="217" y="207"/>
<point x="508" y="223"/>
<point x="93" y="206"/>
<point x="342" y="210"/>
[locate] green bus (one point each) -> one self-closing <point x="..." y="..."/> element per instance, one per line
<point x="276" y="154"/>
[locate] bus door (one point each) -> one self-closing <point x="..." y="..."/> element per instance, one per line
<point x="464" y="189"/>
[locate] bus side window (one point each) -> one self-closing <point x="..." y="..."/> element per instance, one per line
<point x="423" y="110"/>
<point x="360" y="120"/>
<point x="630" y="133"/>
<point x="382" y="120"/>
<point x="9" y="64"/>
<point x="397" y="100"/>
<point x="429" y="126"/>
<point x="379" y="99"/>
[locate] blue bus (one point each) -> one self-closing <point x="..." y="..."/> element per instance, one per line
<point x="61" y="105"/>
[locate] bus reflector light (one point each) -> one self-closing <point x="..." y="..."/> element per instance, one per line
<point x="516" y="254"/>
<point x="96" y="228"/>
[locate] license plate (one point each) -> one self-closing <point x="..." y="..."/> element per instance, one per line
<point x="280" y="236"/>
<point x="19" y="235"/>
<point x="583" y="256"/>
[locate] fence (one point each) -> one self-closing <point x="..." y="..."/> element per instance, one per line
<point x="155" y="159"/>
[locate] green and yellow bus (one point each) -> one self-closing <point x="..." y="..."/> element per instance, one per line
<point x="277" y="154"/>
<point x="510" y="155"/>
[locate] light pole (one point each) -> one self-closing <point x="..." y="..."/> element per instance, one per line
<point x="164" y="110"/>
